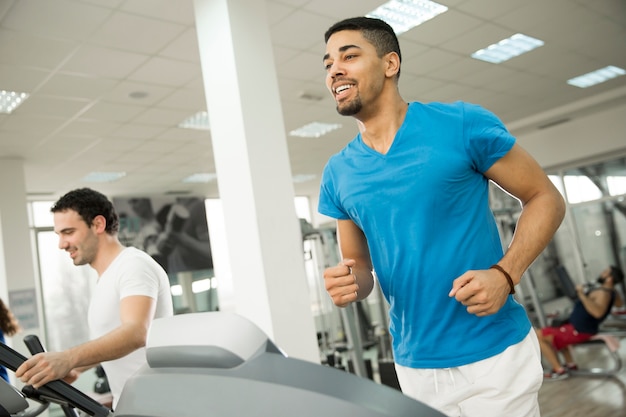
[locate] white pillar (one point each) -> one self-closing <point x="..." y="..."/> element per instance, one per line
<point x="254" y="175"/>
<point x="18" y="281"/>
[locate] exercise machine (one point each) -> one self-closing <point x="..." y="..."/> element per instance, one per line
<point x="221" y="364"/>
<point x="58" y="392"/>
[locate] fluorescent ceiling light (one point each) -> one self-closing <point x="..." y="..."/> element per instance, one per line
<point x="201" y="177"/>
<point x="300" y="178"/>
<point x="403" y="15"/>
<point x="10" y="100"/>
<point x="314" y="130"/>
<point x="199" y="121"/>
<point x="103" y="176"/>
<point x="507" y="48"/>
<point x="596" y="77"/>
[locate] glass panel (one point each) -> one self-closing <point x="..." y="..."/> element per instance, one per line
<point x="42" y="217"/>
<point x="595" y="235"/>
<point x="580" y="188"/>
<point x="303" y="211"/>
<point x="194" y="291"/>
<point x="617" y="185"/>
<point x="615" y="172"/>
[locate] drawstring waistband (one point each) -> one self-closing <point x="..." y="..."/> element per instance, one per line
<point x="450" y="375"/>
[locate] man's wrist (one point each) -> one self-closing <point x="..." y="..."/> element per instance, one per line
<point x="506" y="275"/>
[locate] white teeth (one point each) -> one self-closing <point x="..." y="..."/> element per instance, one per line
<point x="342" y="88"/>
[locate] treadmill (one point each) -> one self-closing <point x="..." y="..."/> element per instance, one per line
<point x="220" y="364"/>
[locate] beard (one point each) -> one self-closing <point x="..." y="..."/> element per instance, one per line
<point x="86" y="251"/>
<point x="82" y="259"/>
<point x="351" y="108"/>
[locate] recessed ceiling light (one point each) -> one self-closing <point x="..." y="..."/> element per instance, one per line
<point x="314" y="130"/>
<point x="103" y="176"/>
<point x="138" y="95"/>
<point x="596" y="77"/>
<point x="507" y="48"/>
<point x="305" y="95"/>
<point x="199" y="121"/>
<point x="403" y="15"/>
<point x="201" y="177"/>
<point x="10" y="100"/>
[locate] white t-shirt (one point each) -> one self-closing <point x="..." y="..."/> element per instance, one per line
<point x="132" y="272"/>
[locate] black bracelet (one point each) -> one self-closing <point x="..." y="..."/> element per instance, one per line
<point x="506" y="275"/>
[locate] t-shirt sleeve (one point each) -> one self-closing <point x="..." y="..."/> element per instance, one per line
<point x="486" y="138"/>
<point x="139" y="279"/>
<point x="329" y="203"/>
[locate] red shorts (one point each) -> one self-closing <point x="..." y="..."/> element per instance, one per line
<point x="565" y="335"/>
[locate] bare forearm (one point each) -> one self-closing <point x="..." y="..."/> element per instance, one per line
<point x="364" y="279"/>
<point x="535" y="228"/>
<point x="114" y="345"/>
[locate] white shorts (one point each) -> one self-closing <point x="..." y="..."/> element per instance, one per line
<point x="503" y="385"/>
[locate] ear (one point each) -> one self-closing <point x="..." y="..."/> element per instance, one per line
<point x="392" y="64"/>
<point x="99" y="223"/>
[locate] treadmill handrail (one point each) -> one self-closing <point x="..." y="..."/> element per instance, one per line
<point x="66" y="393"/>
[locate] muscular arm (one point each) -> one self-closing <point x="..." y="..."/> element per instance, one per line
<point x="136" y="314"/>
<point x="543" y="209"/>
<point x="352" y="279"/>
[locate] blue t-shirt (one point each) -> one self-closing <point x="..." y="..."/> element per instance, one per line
<point x="3" y="371"/>
<point x="423" y="207"/>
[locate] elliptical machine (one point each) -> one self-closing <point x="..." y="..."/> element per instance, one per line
<point x="221" y="364"/>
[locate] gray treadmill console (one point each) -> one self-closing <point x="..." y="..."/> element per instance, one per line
<point x="214" y="340"/>
<point x="11" y="400"/>
<point x="220" y="364"/>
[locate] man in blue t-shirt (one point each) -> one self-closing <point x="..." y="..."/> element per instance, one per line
<point x="410" y="195"/>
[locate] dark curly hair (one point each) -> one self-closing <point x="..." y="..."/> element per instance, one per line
<point x="88" y="204"/>
<point x="378" y="32"/>
<point x="8" y="322"/>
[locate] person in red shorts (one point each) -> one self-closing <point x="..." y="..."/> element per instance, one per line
<point x="593" y="305"/>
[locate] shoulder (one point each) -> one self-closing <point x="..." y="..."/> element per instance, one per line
<point x="440" y="106"/>
<point x="460" y="110"/>
<point x="134" y="258"/>
<point x="131" y="252"/>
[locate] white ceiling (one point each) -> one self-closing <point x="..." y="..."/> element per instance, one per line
<point x="81" y="60"/>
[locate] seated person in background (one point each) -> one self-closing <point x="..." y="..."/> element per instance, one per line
<point x="590" y="309"/>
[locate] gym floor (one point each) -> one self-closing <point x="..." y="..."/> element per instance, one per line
<point x="587" y="396"/>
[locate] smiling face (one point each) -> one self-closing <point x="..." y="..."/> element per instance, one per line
<point x="355" y="74"/>
<point x="76" y="237"/>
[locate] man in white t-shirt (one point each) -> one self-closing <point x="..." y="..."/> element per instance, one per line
<point x="132" y="290"/>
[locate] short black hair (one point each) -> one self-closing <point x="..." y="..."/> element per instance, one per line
<point x="378" y="32"/>
<point x="617" y="274"/>
<point x="88" y="204"/>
